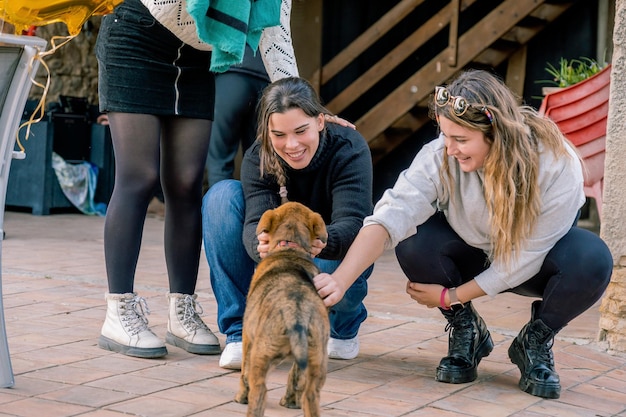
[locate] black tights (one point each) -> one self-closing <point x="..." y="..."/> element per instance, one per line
<point x="148" y="148"/>
<point x="573" y="277"/>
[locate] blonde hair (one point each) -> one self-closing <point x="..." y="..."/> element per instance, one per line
<point x="279" y="97"/>
<point x="511" y="168"/>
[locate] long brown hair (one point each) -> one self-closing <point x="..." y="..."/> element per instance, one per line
<point x="511" y="168"/>
<point x="278" y="97"/>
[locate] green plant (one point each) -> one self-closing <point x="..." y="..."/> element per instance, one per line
<point x="571" y="71"/>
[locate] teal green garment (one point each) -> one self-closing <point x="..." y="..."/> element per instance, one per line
<point x="228" y="25"/>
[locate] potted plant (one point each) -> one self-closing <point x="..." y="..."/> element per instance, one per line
<point x="570" y="72"/>
<point x="579" y="106"/>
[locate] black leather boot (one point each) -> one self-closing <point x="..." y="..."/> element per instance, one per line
<point x="468" y="343"/>
<point x="531" y="351"/>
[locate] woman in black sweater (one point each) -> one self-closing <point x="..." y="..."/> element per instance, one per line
<point x="298" y="156"/>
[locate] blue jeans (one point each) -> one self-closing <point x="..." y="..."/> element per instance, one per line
<point x="231" y="268"/>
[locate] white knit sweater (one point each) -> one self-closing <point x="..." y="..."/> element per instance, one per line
<point x="275" y="45"/>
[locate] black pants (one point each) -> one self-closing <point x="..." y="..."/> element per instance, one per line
<point x="236" y="96"/>
<point x="573" y="276"/>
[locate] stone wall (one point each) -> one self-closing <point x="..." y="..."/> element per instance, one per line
<point x="613" y="311"/>
<point x="613" y="228"/>
<point x="73" y="67"/>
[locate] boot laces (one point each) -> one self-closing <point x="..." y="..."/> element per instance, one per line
<point x="191" y="312"/>
<point x="461" y="337"/>
<point x="542" y="349"/>
<point x="134" y="315"/>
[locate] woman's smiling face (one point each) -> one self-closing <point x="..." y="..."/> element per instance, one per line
<point x="468" y="146"/>
<point x="295" y="136"/>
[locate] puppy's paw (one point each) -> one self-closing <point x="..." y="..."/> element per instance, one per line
<point x="290" y="401"/>
<point x="241" y="397"/>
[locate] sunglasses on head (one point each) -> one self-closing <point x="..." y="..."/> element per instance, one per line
<point x="459" y="104"/>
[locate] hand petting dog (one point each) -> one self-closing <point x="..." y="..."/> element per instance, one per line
<point x="264" y="245"/>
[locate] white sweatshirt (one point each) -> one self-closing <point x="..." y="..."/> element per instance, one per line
<point x="418" y="194"/>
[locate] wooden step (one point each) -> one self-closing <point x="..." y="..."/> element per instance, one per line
<point x="497" y="37"/>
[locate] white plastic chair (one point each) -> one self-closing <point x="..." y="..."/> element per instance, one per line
<point x="16" y="65"/>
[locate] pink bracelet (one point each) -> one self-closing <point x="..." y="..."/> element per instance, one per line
<point x="442" y="299"/>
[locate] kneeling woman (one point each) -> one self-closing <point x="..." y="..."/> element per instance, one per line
<point x="489" y="206"/>
<point x="297" y="157"/>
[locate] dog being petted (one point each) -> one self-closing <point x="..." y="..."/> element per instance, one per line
<point x="285" y="318"/>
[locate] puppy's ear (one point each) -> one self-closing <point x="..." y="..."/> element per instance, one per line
<point x="265" y="224"/>
<point x="318" y="226"/>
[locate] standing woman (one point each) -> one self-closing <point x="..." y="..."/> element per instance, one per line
<point x="157" y="87"/>
<point x="297" y="156"/>
<point x="489" y="206"/>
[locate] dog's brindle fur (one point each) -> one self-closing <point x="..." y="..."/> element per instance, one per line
<point x="284" y="316"/>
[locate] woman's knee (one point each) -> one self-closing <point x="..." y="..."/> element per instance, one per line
<point x="417" y="262"/>
<point x="182" y="187"/>
<point x="138" y="185"/>
<point x="417" y="254"/>
<point x="222" y="201"/>
<point x="353" y="298"/>
<point x="223" y="194"/>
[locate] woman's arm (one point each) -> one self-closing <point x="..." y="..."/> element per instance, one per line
<point x="260" y="195"/>
<point x="349" y="179"/>
<point x="276" y="47"/>
<point x="368" y="245"/>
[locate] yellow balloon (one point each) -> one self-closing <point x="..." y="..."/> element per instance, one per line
<point x="25" y="13"/>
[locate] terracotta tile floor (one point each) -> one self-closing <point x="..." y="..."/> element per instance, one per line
<point x="53" y="282"/>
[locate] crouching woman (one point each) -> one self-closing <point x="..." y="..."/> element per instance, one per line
<point x="490" y="206"/>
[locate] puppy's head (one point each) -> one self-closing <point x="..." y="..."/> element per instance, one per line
<point x="292" y="225"/>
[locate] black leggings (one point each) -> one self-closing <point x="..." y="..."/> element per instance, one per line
<point x="573" y="276"/>
<point x="148" y="149"/>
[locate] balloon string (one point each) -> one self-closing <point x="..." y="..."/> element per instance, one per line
<point x="39" y="111"/>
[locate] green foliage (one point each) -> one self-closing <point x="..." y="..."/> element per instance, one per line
<point x="572" y="71"/>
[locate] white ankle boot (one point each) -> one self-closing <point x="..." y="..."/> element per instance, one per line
<point x="186" y="329"/>
<point x="125" y="329"/>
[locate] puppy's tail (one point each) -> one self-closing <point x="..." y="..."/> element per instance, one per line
<point x="298" y="339"/>
<point x="299" y="332"/>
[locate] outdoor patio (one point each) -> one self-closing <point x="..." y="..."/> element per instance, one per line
<point x="53" y="281"/>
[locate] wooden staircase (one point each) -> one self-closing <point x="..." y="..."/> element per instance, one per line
<point x="491" y="39"/>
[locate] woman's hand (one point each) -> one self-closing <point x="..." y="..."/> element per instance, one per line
<point x="336" y="119"/>
<point x="425" y="294"/>
<point x="264" y="244"/>
<point x="316" y="247"/>
<point x="329" y="289"/>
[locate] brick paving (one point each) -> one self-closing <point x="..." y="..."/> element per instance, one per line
<point x="53" y="282"/>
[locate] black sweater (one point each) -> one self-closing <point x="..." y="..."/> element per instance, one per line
<point x="337" y="184"/>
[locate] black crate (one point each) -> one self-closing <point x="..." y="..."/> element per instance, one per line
<point x="72" y="134"/>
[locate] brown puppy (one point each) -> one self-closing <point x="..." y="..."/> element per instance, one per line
<point x="285" y="317"/>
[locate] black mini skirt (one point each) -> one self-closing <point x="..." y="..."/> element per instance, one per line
<point x="144" y="68"/>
